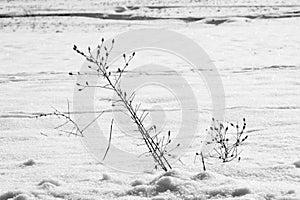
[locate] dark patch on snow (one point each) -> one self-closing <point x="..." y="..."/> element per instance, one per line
<point x="240" y="192"/>
<point x="29" y="162"/>
<point x="297" y="164"/>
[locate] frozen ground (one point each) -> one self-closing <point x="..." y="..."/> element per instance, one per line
<point x="259" y="63"/>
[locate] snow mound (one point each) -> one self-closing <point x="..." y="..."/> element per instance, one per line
<point x="287" y="198"/>
<point x="172" y="173"/>
<point x="23" y="197"/>
<point x="137" y="182"/>
<point x="225" y="192"/>
<point x="10" y="195"/>
<point x="297" y="164"/>
<point x="166" y="183"/>
<point x="49" y="183"/>
<point x="240" y="192"/>
<point x="141" y="190"/>
<point x="203" y="176"/>
<point x="159" y="198"/>
<point x="218" y="192"/>
<point x="29" y="162"/>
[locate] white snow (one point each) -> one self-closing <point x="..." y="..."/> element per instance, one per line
<point x="259" y="63"/>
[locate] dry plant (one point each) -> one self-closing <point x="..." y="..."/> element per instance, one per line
<point x="226" y="145"/>
<point x="69" y="125"/>
<point x="156" y="144"/>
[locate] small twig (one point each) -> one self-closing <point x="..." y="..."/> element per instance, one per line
<point x="203" y="163"/>
<point x="109" y="140"/>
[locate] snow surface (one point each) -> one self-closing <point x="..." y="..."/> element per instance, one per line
<point x="259" y="63"/>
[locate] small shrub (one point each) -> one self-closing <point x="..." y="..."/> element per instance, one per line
<point x="225" y="144"/>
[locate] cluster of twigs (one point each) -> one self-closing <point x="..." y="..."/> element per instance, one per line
<point x="162" y="143"/>
<point x="226" y="145"/>
<point x="68" y="121"/>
